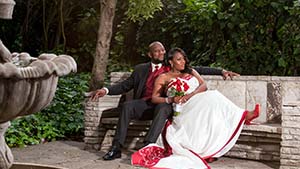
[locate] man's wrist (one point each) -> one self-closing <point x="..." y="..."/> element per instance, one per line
<point x="224" y="71"/>
<point x="106" y="90"/>
<point x="169" y="100"/>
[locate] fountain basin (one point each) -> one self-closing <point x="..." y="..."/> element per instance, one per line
<point x="33" y="166"/>
<point x="26" y="90"/>
<point x="21" y="97"/>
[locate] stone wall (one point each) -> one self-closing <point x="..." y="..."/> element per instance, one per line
<point x="245" y="91"/>
<point x="267" y="141"/>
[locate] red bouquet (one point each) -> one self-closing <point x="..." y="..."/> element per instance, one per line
<point x="177" y="87"/>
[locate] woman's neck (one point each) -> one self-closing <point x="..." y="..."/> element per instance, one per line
<point x="175" y="71"/>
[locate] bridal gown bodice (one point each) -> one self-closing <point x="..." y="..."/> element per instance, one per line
<point x="191" y="81"/>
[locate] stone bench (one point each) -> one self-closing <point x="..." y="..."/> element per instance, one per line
<point x="102" y="138"/>
<point x="256" y="142"/>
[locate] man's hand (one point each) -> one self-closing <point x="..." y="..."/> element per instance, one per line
<point x="227" y="74"/>
<point x="97" y="93"/>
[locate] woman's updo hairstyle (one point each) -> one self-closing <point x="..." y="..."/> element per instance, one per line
<point x="172" y="52"/>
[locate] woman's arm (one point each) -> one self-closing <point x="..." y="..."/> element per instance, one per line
<point x="159" y="87"/>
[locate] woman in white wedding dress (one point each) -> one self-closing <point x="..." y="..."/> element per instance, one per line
<point x="205" y="124"/>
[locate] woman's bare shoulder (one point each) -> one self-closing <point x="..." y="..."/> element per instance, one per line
<point x="163" y="77"/>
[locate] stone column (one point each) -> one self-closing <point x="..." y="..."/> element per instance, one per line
<point x="290" y="144"/>
<point x="92" y="116"/>
<point x="92" y="119"/>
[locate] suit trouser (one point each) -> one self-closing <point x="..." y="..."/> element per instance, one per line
<point x="140" y="109"/>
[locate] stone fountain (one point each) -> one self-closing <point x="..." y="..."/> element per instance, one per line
<point x="27" y="85"/>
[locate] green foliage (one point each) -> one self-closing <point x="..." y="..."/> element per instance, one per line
<point x="143" y="9"/>
<point x="257" y="37"/>
<point x="116" y="66"/>
<point x="63" y="118"/>
<point x="36" y="27"/>
<point x="83" y="45"/>
<point x="228" y="34"/>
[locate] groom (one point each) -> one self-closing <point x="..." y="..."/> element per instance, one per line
<point x="142" y="82"/>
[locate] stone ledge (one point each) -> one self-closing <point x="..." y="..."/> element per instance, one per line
<point x="254" y="155"/>
<point x="107" y="102"/>
<point x="114" y="120"/>
<point x="268" y="128"/>
<point x="92" y="140"/>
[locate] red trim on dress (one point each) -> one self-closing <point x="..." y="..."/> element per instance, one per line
<point x="150" y="156"/>
<point x="234" y="133"/>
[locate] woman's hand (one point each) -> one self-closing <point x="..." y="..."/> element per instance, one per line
<point x="185" y="98"/>
<point x="177" y="99"/>
<point x="181" y="99"/>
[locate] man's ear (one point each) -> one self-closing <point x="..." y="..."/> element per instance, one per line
<point x="149" y="55"/>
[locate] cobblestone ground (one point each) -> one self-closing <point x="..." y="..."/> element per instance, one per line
<point x="71" y="155"/>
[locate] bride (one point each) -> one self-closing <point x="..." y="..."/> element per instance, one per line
<point x="205" y="124"/>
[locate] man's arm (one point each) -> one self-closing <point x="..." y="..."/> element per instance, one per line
<point x="119" y="88"/>
<point x="122" y="87"/>
<point x="204" y="70"/>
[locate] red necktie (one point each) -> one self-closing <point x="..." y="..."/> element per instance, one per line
<point x="156" y="68"/>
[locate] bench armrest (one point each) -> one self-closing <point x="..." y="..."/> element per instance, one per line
<point x="108" y="102"/>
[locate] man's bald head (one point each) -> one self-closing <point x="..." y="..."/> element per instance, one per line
<point x="154" y="44"/>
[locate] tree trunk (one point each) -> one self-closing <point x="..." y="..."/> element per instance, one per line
<point x="103" y="43"/>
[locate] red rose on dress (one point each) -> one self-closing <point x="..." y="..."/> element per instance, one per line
<point x="148" y="156"/>
<point x="177" y="87"/>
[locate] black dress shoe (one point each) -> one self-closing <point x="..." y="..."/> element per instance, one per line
<point x="112" y="154"/>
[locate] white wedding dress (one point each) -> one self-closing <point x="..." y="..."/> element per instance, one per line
<point x="208" y="126"/>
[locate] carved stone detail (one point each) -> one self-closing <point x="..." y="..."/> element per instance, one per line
<point x="274" y="102"/>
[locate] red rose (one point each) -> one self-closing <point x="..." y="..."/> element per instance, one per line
<point x="185" y="86"/>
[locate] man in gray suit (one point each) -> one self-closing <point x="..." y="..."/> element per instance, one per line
<point x="142" y="82"/>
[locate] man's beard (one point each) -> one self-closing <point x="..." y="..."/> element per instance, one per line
<point x="156" y="61"/>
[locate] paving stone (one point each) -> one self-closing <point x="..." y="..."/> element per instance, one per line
<point x="71" y="155"/>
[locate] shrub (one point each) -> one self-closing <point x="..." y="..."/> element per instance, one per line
<point x="62" y="119"/>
